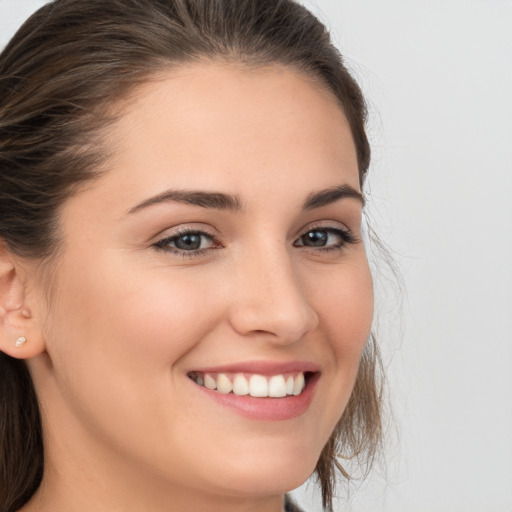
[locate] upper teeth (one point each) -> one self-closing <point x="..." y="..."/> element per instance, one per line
<point x="253" y="384"/>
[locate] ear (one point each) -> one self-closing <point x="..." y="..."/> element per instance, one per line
<point x="16" y="317"/>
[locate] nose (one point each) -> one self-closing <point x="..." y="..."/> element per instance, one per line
<point x="271" y="300"/>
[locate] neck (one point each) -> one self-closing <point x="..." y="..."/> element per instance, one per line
<point x="50" y="498"/>
<point x="108" y="488"/>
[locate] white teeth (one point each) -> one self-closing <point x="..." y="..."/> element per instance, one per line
<point x="299" y="384"/>
<point x="240" y="385"/>
<point x="258" y="386"/>
<point x="289" y="385"/>
<point x="224" y="384"/>
<point x="277" y="386"/>
<point x="210" y="382"/>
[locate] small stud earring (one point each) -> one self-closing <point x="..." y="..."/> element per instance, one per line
<point x="21" y="341"/>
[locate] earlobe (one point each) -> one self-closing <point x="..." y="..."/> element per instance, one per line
<point x="20" y="336"/>
<point x="20" y="341"/>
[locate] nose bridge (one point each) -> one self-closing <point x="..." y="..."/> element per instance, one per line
<point x="271" y="297"/>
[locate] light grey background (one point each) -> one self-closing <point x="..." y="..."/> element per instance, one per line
<point x="438" y="77"/>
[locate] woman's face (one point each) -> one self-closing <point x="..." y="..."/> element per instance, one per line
<point x="222" y="247"/>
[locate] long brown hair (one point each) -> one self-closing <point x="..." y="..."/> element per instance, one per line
<point x="60" y="75"/>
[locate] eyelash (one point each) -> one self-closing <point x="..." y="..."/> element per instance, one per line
<point x="345" y="235"/>
<point x="164" y="246"/>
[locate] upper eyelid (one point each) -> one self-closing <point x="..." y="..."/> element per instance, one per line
<point x="330" y="225"/>
<point x="184" y="232"/>
<point x="178" y="230"/>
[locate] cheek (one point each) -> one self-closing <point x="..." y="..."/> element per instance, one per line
<point x="116" y="332"/>
<point x="345" y="309"/>
<point x="151" y="314"/>
<point x="159" y="316"/>
<point x="116" y="338"/>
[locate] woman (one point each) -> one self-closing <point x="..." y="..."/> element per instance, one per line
<point x="183" y="282"/>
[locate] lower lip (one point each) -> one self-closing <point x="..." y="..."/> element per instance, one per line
<point x="265" y="409"/>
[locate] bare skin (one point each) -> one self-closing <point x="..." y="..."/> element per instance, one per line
<point x="135" y="309"/>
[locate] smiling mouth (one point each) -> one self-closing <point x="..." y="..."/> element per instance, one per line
<point x="253" y="384"/>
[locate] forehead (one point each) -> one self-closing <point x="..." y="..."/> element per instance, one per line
<point x="203" y="124"/>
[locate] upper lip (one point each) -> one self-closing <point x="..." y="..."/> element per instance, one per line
<point x="262" y="367"/>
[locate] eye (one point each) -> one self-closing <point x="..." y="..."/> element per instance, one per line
<point x="325" y="238"/>
<point x="187" y="243"/>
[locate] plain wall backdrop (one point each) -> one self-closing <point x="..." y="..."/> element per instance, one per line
<point x="438" y="78"/>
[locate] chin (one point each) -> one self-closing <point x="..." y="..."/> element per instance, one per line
<point x="256" y="483"/>
<point x="271" y="472"/>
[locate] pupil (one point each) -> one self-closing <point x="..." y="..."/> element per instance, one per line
<point x="188" y="242"/>
<point x="316" y="238"/>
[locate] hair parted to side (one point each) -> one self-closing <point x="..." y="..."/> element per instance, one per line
<point x="60" y="77"/>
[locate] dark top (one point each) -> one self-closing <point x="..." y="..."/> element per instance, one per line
<point x="289" y="506"/>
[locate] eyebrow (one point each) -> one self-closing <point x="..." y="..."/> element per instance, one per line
<point x="221" y="201"/>
<point x="331" y="195"/>
<point x="216" y="200"/>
